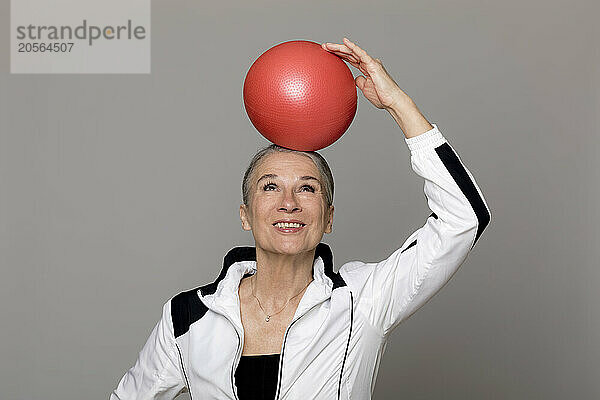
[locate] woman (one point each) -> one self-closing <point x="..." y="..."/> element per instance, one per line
<point x="279" y="323"/>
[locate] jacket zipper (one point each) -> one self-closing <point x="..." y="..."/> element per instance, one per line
<point x="283" y="349"/>
<point x="285" y="339"/>
<point x="235" y="362"/>
<point x="347" y="345"/>
<point x="282" y="352"/>
<point x="187" y="382"/>
<point x="237" y="353"/>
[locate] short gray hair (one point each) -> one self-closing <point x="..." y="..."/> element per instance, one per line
<point x="320" y="163"/>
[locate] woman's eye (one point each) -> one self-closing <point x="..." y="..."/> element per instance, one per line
<point x="269" y="186"/>
<point x="310" y="188"/>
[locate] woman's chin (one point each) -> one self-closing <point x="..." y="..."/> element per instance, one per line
<point x="289" y="247"/>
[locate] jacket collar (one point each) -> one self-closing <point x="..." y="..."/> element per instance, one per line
<point x="222" y="294"/>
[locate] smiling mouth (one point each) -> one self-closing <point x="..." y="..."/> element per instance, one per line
<point x="287" y="225"/>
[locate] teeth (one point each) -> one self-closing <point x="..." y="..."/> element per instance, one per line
<point x="288" y="225"/>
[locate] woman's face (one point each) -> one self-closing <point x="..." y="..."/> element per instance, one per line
<point x="284" y="187"/>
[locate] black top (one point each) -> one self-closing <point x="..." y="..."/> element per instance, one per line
<point x="256" y="377"/>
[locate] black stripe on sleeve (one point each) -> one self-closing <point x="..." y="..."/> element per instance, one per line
<point x="466" y="185"/>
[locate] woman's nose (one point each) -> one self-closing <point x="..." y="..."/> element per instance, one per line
<point x="289" y="202"/>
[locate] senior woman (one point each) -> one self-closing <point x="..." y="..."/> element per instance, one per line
<point x="278" y="322"/>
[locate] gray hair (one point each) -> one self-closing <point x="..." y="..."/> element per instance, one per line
<point x="320" y="163"/>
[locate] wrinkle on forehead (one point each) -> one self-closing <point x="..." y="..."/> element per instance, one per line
<point x="302" y="178"/>
<point x="261" y="165"/>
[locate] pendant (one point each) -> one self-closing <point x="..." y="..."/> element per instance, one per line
<point x="268" y="318"/>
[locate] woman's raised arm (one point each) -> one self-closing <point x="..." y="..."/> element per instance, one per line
<point x="391" y="290"/>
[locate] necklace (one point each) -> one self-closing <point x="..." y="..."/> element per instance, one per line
<point x="268" y="316"/>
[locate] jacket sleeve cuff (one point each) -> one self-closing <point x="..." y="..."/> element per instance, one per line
<point x="430" y="139"/>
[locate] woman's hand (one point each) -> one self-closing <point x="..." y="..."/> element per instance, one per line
<point x="380" y="89"/>
<point x="376" y="84"/>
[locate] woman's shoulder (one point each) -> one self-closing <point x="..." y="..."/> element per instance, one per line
<point x="356" y="271"/>
<point x="192" y="294"/>
<point x="185" y="308"/>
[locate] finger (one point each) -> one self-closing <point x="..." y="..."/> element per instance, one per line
<point x="355" y="65"/>
<point x="360" y="81"/>
<point x="368" y="66"/>
<point x="352" y="59"/>
<point x="335" y="46"/>
<point x="363" y="56"/>
<point x="345" y="49"/>
<point x="345" y="56"/>
<point x="349" y="57"/>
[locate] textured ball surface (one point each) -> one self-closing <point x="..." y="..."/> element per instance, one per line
<point x="299" y="96"/>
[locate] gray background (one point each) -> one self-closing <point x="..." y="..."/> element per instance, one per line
<point x="118" y="191"/>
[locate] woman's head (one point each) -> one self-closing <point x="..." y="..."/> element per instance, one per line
<point x="287" y="185"/>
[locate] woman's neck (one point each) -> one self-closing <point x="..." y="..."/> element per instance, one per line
<point x="280" y="277"/>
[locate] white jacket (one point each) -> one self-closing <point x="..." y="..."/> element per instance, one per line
<point x="333" y="346"/>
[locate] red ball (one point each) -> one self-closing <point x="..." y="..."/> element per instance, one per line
<point x="300" y="96"/>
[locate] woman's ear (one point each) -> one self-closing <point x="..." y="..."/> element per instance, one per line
<point x="329" y="225"/>
<point x="245" y="218"/>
